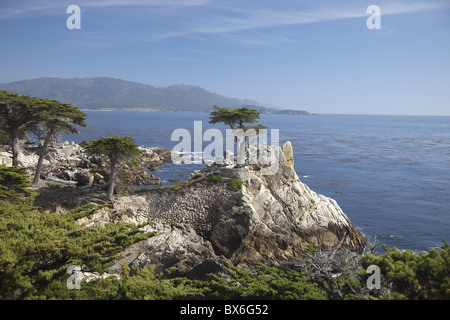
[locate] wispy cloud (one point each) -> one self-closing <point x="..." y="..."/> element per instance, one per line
<point x="256" y="18"/>
<point x="10" y="9"/>
<point x="233" y="23"/>
<point x="144" y="3"/>
<point x="232" y="19"/>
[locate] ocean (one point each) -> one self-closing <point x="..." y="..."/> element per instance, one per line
<point x="389" y="174"/>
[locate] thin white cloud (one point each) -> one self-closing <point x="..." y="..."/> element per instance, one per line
<point x="144" y="3"/>
<point x="231" y="18"/>
<point x="234" y="23"/>
<point x="10" y="9"/>
<point x="268" y="18"/>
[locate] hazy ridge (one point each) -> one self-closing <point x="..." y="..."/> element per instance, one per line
<point x="116" y="94"/>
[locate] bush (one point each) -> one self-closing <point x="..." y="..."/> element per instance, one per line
<point x="143" y="284"/>
<point x="263" y="282"/>
<point x="235" y="184"/>
<point x="415" y="276"/>
<point x="14" y="185"/>
<point x="215" y="179"/>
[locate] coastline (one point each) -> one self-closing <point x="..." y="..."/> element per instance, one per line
<point x="310" y="114"/>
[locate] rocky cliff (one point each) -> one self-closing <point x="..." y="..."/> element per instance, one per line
<point x="243" y="213"/>
<point x="211" y="216"/>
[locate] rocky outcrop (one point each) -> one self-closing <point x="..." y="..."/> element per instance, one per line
<point x="272" y="218"/>
<point x="281" y="216"/>
<point x="243" y="213"/>
<point x="68" y="163"/>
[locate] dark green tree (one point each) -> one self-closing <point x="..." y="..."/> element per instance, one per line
<point x="235" y="118"/>
<point x="16" y="111"/>
<point x="118" y="150"/>
<point x="52" y="119"/>
<point x="240" y="121"/>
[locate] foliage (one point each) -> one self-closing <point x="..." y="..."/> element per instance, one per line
<point x="16" y="112"/>
<point x="46" y="118"/>
<point x="36" y="248"/>
<point x="235" y="118"/>
<point x="66" y="196"/>
<point x="414" y="276"/>
<point x="215" y="179"/>
<point x="52" y="119"/>
<point x="4" y="138"/>
<point x="142" y="284"/>
<point x="311" y="250"/>
<point x="14" y="185"/>
<point x="235" y="184"/>
<point x="115" y="148"/>
<point x="54" y="116"/>
<point x="118" y="150"/>
<point x="264" y="282"/>
<point x="261" y="282"/>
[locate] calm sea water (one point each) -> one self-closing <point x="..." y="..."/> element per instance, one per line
<point x="389" y="174"/>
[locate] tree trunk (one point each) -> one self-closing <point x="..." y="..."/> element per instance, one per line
<point x="112" y="182"/>
<point x="42" y="153"/>
<point x="15" y="145"/>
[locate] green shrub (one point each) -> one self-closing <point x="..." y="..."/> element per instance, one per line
<point x="215" y="179"/>
<point x="415" y="276"/>
<point x="263" y="282"/>
<point x="14" y="185"/>
<point x="235" y="184"/>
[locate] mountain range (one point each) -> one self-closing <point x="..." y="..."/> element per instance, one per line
<point x="102" y="93"/>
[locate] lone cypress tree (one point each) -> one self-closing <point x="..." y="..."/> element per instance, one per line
<point x="118" y="150"/>
<point x="235" y="118"/>
<point x="240" y="121"/>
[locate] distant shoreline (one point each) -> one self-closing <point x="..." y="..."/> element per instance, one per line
<point x="309" y="114"/>
<point x="282" y="112"/>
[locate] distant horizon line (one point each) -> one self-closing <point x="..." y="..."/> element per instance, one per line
<point x="277" y="114"/>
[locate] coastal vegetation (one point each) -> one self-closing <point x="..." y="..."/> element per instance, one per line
<point x="242" y="118"/>
<point x="38" y="247"/>
<point x="235" y="184"/>
<point x="52" y="119"/>
<point x="214" y="179"/>
<point x="118" y="150"/>
<point x="46" y="119"/>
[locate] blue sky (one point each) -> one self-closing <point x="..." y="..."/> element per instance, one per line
<point x="312" y="55"/>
